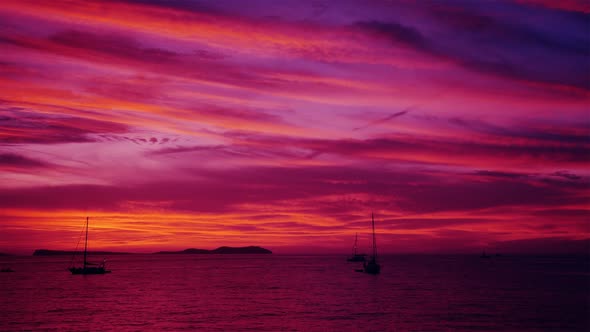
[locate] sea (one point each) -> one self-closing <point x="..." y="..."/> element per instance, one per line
<point x="297" y="293"/>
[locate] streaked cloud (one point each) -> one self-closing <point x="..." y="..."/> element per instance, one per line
<point x="174" y="124"/>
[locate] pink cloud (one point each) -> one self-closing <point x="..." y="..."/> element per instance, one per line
<point x="454" y="123"/>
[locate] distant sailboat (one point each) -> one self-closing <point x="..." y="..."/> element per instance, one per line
<point x="372" y="267"/>
<point x="355" y="256"/>
<point x="85" y="269"/>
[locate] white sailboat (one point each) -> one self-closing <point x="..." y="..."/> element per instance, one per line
<point x="356" y="257"/>
<point x="85" y="268"/>
<point x="372" y="267"/>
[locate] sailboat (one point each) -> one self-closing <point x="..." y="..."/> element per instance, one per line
<point x="372" y="267"/>
<point x="355" y="256"/>
<point x="86" y="269"/>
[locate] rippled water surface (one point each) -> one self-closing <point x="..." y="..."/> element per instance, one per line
<point x="298" y="293"/>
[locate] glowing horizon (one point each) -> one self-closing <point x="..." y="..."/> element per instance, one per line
<point x="176" y="124"/>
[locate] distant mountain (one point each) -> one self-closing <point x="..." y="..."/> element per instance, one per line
<point x="221" y="250"/>
<point x="47" y="252"/>
<point x="241" y="250"/>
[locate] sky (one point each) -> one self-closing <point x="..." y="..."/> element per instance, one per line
<point x="462" y="125"/>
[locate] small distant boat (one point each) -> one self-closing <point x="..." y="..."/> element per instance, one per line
<point x="355" y="256"/>
<point x="86" y="269"/>
<point x="372" y="267"/>
<point x="484" y="255"/>
<point x="6" y="270"/>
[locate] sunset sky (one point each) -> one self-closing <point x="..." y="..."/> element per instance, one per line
<point x="463" y="125"/>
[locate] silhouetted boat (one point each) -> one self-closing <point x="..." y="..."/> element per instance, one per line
<point x="484" y="255"/>
<point x="372" y="267"/>
<point x="85" y="269"/>
<point x="6" y="270"/>
<point x="356" y="257"/>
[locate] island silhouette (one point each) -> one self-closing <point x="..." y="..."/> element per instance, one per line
<point x="220" y="250"/>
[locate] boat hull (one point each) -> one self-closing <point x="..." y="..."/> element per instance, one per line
<point x="88" y="270"/>
<point x="372" y="268"/>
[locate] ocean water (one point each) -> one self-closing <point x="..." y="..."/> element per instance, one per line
<point x="297" y="293"/>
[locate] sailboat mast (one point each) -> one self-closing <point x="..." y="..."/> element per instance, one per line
<point x="86" y="243"/>
<point x="374" y="240"/>
<point x="356" y="237"/>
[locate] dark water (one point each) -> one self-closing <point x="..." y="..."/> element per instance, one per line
<point x="298" y="293"/>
